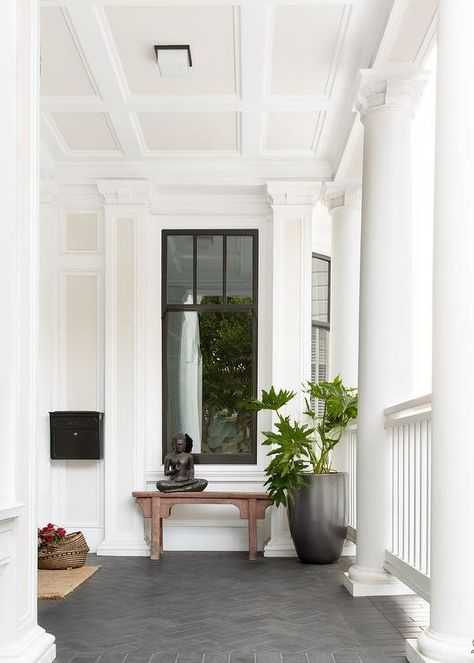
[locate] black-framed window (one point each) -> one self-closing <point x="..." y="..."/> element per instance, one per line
<point x="320" y="318"/>
<point x="209" y="312"/>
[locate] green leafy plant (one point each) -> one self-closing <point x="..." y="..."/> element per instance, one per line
<point x="301" y="448"/>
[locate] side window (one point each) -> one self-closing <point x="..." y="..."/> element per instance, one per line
<point x="320" y="300"/>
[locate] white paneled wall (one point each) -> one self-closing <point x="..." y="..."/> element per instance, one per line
<point x="71" y="358"/>
<point x="100" y="342"/>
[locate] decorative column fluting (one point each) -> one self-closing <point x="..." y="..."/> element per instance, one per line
<point x="449" y="636"/>
<point x="386" y="100"/>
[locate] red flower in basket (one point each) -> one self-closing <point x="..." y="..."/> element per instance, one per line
<point x="50" y="534"/>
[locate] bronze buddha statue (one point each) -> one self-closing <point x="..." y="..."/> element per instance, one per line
<point x="179" y="467"/>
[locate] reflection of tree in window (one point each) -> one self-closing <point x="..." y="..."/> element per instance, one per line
<point x="226" y="349"/>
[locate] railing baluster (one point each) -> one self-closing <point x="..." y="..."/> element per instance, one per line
<point x="410" y="440"/>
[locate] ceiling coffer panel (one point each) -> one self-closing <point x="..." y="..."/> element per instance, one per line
<point x="183" y="131"/>
<point x="63" y="70"/>
<point x="291" y="130"/>
<point x="89" y="132"/>
<point x="209" y="31"/>
<point x="304" y="48"/>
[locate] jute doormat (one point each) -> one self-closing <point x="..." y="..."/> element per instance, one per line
<point x="58" y="584"/>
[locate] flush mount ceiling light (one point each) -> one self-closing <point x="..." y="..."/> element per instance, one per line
<point x="173" y="61"/>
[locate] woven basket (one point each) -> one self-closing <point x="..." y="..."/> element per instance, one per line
<point x="70" y="553"/>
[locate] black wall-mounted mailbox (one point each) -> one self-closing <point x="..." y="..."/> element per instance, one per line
<point x="76" y="435"/>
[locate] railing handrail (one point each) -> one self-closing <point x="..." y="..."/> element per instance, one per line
<point x="408" y="405"/>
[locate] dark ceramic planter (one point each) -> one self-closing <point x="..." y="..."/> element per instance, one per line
<point x="317" y="518"/>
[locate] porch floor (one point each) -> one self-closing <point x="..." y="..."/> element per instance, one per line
<point x="221" y="608"/>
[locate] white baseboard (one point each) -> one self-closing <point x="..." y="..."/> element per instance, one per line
<point x="94" y="537"/>
<point x="281" y="547"/>
<point x="123" y="548"/>
<point x="37" y="647"/>
<point x="357" y="589"/>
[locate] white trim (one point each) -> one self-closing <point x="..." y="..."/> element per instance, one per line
<point x="408" y="405"/>
<point x="414" y="579"/>
<point x="357" y="589"/>
<point x="13" y="510"/>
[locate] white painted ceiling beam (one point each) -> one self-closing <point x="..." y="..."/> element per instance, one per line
<point x="209" y="103"/>
<point x="254" y="59"/>
<point x="242" y="3"/>
<point x="382" y="54"/>
<point x="86" y="23"/>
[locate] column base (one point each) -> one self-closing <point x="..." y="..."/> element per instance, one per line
<point x="38" y="647"/>
<point x="281" y="547"/>
<point x="360" y="581"/>
<point x="123" y="548"/>
<point x="434" y="648"/>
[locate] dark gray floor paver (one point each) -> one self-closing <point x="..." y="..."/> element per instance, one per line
<point x="219" y="608"/>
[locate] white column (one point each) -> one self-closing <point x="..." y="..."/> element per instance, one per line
<point x="344" y="206"/>
<point x="293" y="206"/>
<point x="385" y="102"/>
<point x="21" y="639"/>
<point x="126" y="219"/>
<point x="449" y="637"/>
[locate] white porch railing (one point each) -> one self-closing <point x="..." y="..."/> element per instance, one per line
<point x="350" y="441"/>
<point x="408" y="556"/>
<point x="409" y="428"/>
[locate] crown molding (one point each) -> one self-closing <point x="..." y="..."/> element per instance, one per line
<point x="49" y="191"/>
<point x="125" y="192"/>
<point x="337" y="195"/>
<point x="293" y="193"/>
<point x="392" y="87"/>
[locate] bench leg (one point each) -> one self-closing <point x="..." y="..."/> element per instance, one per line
<point x="252" y="529"/>
<point x="156" y="529"/>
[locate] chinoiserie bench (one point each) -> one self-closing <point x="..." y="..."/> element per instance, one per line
<point x="157" y="505"/>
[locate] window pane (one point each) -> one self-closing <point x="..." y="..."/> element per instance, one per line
<point x="239" y="269"/>
<point x="319" y="359"/>
<point x="180" y="269"/>
<point x="210" y="268"/>
<point x="209" y="371"/>
<point x="320" y="290"/>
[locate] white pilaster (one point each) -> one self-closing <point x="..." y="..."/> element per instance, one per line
<point x="344" y="206"/>
<point x="451" y="631"/>
<point x="126" y="219"/>
<point x="48" y="342"/>
<point x="21" y="639"/>
<point x="293" y="205"/>
<point x="386" y="102"/>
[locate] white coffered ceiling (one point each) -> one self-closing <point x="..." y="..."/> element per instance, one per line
<point x="270" y="89"/>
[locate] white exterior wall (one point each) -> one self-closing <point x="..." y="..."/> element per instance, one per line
<point x="83" y="248"/>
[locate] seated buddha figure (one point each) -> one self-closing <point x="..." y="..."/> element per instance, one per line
<point x="179" y="467"/>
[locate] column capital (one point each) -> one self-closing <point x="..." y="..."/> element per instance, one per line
<point x="49" y="191"/>
<point x="336" y="196"/>
<point x="293" y="193"/>
<point x="393" y="87"/>
<point x="125" y="192"/>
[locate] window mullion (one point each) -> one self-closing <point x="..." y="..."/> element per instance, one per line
<point x="224" y="269"/>
<point x="195" y="269"/>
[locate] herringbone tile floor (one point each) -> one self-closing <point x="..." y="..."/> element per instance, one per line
<point x="221" y="608"/>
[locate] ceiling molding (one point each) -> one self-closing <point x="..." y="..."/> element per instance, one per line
<point x="121" y="192"/>
<point x="293" y="193"/>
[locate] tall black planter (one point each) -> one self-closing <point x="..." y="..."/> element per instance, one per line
<point x="317" y="518"/>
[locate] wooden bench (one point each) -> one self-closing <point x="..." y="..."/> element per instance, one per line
<point x="157" y="505"/>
